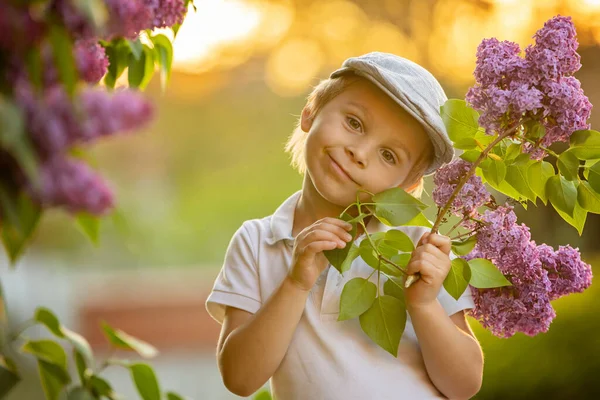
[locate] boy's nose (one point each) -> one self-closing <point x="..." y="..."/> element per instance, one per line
<point x="358" y="157"/>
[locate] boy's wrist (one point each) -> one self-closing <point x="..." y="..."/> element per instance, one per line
<point x="416" y="308"/>
<point x="290" y="281"/>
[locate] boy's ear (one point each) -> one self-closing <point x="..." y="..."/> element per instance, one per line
<point x="305" y="120"/>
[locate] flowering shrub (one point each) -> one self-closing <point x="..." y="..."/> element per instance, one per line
<point x="517" y="108"/>
<point x="53" y="53"/>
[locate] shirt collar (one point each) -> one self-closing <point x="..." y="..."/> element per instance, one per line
<point x="282" y="221"/>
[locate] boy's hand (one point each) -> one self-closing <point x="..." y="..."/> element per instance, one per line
<point x="431" y="259"/>
<point x="308" y="260"/>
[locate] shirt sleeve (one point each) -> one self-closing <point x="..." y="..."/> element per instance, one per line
<point x="450" y="304"/>
<point x="237" y="283"/>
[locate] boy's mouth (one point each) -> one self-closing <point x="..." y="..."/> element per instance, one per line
<point x="340" y="170"/>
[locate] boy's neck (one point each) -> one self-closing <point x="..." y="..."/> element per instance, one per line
<point x="312" y="207"/>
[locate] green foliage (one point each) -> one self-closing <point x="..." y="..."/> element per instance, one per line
<point x="396" y="207"/>
<point x="484" y="274"/>
<point x="122" y="340"/>
<point x="384" y="322"/>
<point x="357" y="297"/>
<point x="145" y="381"/>
<point x="458" y="278"/>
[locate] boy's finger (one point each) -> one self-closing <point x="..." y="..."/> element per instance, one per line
<point x="441" y="242"/>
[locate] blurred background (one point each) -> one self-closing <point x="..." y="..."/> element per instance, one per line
<point x="213" y="157"/>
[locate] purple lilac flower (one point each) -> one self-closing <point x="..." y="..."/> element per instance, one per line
<point x="166" y="12"/>
<point x="91" y="59"/>
<point x="555" y="51"/>
<point x="497" y="62"/>
<point x="567" y="108"/>
<point x="73" y="185"/>
<point x="511" y="309"/>
<point x="472" y="195"/>
<point x="539" y="86"/>
<point x="566" y="271"/>
<point x="508" y="245"/>
<point x="55" y="122"/>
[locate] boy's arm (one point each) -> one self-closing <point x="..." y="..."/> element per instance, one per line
<point x="251" y="347"/>
<point x="453" y="357"/>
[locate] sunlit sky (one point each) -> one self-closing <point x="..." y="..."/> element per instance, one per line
<point x="299" y="40"/>
<point x="214" y="24"/>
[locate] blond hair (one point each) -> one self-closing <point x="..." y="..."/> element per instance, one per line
<point x="321" y="94"/>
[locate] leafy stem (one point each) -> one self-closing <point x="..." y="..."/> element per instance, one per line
<point x="468" y="175"/>
<point x="547" y="150"/>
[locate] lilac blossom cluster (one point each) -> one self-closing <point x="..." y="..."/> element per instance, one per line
<point x="538" y="275"/>
<point x="472" y="195"/>
<point x="126" y="18"/>
<point x="56" y="121"/>
<point x="538" y="87"/>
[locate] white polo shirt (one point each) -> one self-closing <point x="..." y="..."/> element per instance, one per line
<point x="326" y="359"/>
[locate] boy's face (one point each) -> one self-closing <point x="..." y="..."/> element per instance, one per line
<point x="361" y="139"/>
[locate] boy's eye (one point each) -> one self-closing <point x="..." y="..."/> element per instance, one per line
<point x="388" y="156"/>
<point x="354" y="123"/>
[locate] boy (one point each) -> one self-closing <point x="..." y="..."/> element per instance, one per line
<point x="374" y="124"/>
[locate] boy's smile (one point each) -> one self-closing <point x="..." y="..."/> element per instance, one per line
<point x="360" y="139"/>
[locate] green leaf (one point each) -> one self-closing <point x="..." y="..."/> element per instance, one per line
<point x="82" y="369"/>
<point x="118" y="53"/>
<point x="401" y="259"/>
<point x="512" y="151"/>
<point x="593" y="176"/>
<point x="47" y="317"/>
<point x="263" y="394"/>
<point x="461" y="121"/>
<point x="464" y="247"/>
<point x="367" y="253"/>
<point x="588" y="198"/>
<point x="585" y="144"/>
<point x="471" y="155"/>
<point x="458" y="278"/>
<point x="80" y="393"/>
<point x="90" y="225"/>
<point x="516" y="177"/>
<point x="101" y="387"/>
<point x="484" y="274"/>
<point x="141" y="71"/>
<point x="21" y="218"/>
<point x="53" y="378"/>
<point x="494" y="170"/>
<point x="577" y="220"/>
<point x="164" y="55"/>
<point x="538" y="174"/>
<point x="384" y="322"/>
<point x="419" y="220"/>
<point x="46" y="350"/>
<point x="337" y="257"/>
<point x="259" y="396"/>
<point x="9" y="376"/>
<point x="352" y="255"/>
<point x="145" y="381"/>
<point x="568" y="165"/>
<point x="357" y="296"/>
<point x="395" y="287"/>
<point x="137" y="48"/>
<point x="562" y="194"/>
<point x="64" y="59"/>
<point x="124" y="341"/>
<point x="398" y="240"/>
<point x="15" y="139"/>
<point x="397" y="206"/>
